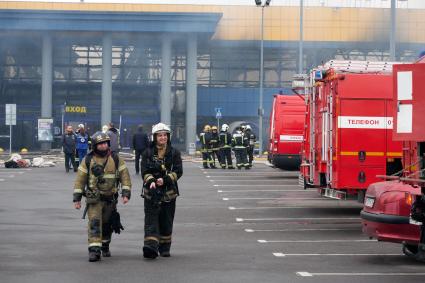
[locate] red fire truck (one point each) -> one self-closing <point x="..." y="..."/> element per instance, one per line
<point x="394" y="210"/>
<point x="286" y="131"/>
<point x="348" y="134"/>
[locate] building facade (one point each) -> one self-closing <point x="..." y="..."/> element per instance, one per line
<point x="140" y="64"/>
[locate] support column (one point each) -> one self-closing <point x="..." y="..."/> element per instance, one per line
<point x="46" y="82"/>
<point x="191" y="90"/>
<point x="46" y="77"/>
<point x="106" y="105"/>
<point x="165" y="80"/>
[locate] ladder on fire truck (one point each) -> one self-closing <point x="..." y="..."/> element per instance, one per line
<point x="338" y="66"/>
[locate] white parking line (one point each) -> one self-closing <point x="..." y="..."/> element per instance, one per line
<point x="4" y="172"/>
<point x="260" y="191"/>
<point x="285" y="255"/>
<point x="316" y="241"/>
<point x="1" y="180"/>
<point x="272" y="199"/>
<point x="311" y="274"/>
<point x="301" y="230"/>
<point x="253" y="180"/>
<point x="267" y="207"/>
<point x="275" y="185"/>
<point x="296" y="218"/>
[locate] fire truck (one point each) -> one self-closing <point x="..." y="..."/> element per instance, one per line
<point x="348" y="133"/>
<point x="394" y="210"/>
<point x="286" y="131"/>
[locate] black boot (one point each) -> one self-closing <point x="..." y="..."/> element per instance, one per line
<point x="105" y="250"/>
<point x="150" y="252"/>
<point x="164" y="250"/>
<point x="94" y="254"/>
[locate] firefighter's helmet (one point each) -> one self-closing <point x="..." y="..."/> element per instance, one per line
<point x="160" y="127"/>
<point x="207" y="128"/>
<point x="248" y="128"/>
<point x="214" y="128"/>
<point x="224" y="127"/>
<point x="100" y="137"/>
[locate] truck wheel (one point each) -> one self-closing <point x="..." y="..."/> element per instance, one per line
<point x="410" y="250"/>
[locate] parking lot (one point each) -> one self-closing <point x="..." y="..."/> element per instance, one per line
<point x="231" y="226"/>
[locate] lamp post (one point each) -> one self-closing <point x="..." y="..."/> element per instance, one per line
<point x="262" y="4"/>
<point x="392" y="33"/>
<point x="300" y="45"/>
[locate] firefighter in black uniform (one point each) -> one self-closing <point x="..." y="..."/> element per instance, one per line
<point x="161" y="168"/>
<point x="225" y="152"/>
<point x="251" y="143"/>
<point x="239" y="144"/>
<point x="205" y="138"/>
<point x="214" y="146"/>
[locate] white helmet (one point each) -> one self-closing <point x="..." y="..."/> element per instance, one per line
<point x="160" y="127"/>
<point x="247" y="127"/>
<point x="81" y="126"/>
<point x="224" y="127"/>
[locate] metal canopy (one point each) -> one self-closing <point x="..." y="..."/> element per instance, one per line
<point x="108" y="21"/>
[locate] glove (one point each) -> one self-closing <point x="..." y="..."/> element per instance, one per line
<point x="116" y="222"/>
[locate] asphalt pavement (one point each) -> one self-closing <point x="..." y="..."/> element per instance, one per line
<point x="231" y="226"/>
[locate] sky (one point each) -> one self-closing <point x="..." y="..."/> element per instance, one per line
<point x="413" y="4"/>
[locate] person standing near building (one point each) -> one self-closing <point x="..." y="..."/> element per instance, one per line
<point x="98" y="179"/>
<point x="69" y="146"/>
<point x="225" y="142"/>
<point x="161" y="168"/>
<point x="114" y="135"/>
<point x="140" y="143"/>
<point x="205" y="138"/>
<point x="82" y="142"/>
<point x="239" y="144"/>
<point x="251" y="143"/>
<point x="214" y="146"/>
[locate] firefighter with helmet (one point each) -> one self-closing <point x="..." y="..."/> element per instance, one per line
<point x="239" y="144"/>
<point x="214" y="146"/>
<point x="98" y="178"/>
<point x="225" y="143"/>
<point x="205" y="138"/>
<point x="161" y="167"/>
<point x="251" y="143"/>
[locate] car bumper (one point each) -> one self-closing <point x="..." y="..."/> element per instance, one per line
<point x="389" y="228"/>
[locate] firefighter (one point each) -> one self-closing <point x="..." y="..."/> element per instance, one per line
<point x="98" y="177"/>
<point x="225" y="152"/>
<point x="161" y="168"/>
<point x="239" y="144"/>
<point x="214" y="146"/>
<point x="205" y="138"/>
<point x="251" y="143"/>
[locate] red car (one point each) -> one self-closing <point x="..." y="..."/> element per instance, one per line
<point x="386" y="213"/>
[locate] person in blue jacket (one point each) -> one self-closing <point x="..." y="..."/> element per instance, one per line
<point x="82" y="142"/>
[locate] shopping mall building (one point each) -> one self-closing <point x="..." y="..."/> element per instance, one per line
<point x="140" y="63"/>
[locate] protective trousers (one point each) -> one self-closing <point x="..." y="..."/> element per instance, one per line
<point x="214" y="154"/>
<point x="250" y="150"/>
<point x="99" y="226"/>
<point x="206" y="158"/>
<point x="241" y="158"/>
<point x="226" y="155"/>
<point x="159" y="220"/>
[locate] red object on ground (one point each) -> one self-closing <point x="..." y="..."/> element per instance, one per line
<point x="286" y="131"/>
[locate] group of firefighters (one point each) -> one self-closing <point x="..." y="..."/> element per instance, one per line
<point x="219" y="145"/>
